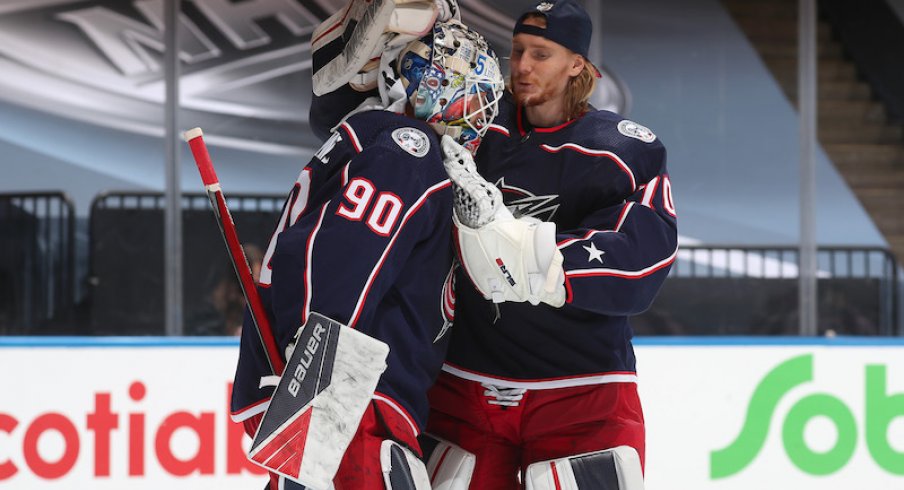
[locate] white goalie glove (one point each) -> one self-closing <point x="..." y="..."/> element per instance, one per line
<point x="507" y="258"/>
<point x="379" y="25"/>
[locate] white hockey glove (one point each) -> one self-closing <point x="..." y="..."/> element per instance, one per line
<point x="507" y="258"/>
<point x="380" y="26"/>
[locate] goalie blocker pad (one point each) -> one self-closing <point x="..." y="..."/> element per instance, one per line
<point x="450" y="467"/>
<point x="319" y="401"/>
<point x="611" y="469"/>
<point x="513" y="260"/>
<point x="375" y="26"/>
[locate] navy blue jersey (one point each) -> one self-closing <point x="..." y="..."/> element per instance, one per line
<point x="603" y="181"/>
<point x="365" y="239"/>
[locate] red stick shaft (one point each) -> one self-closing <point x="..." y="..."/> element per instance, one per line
<point x="236" y="253"/>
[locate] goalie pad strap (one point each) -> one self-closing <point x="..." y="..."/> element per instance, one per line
<point x="611" y="469"/>
<point x="450" y="467"/>
<point x="402" y="470"/>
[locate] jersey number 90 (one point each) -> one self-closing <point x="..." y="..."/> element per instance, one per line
<point x="381" y="217"/>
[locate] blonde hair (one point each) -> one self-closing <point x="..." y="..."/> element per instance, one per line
<point x="578" y="92"/>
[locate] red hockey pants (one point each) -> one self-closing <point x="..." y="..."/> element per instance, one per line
<point x="545" y="424"/>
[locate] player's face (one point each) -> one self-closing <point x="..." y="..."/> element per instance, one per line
<point x="540" y="69"/>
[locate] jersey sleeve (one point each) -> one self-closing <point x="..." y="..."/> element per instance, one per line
<point x="617" y="258"/>
<point x="327" y="110"/>
<point x="340" y="259"/>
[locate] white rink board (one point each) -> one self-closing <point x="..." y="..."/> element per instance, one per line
<point x="178" y="379"/>
<point x="696" y="402"/>
<point x="695" y="394"/>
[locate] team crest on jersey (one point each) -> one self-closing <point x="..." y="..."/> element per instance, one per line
<point x="522" y="202"/>
<point x="447" y="307"/>
<point x="412" y="140"/>
<point x="633" y="130"/>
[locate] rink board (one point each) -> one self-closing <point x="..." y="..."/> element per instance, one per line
<point x="740" y="413"/>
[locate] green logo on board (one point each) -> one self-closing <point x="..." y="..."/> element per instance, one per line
<point x="881" y="409"/>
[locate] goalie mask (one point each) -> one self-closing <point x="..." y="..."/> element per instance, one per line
<point x="452" y="80"/>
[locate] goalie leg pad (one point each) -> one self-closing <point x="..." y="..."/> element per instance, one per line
<point x="611" y="469"/>
<point x="402" y="470"/>
<point x="450" y="466"/>
<point x="335" y="369"/>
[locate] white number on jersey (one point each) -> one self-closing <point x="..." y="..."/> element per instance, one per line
<point x="383" y="216"/>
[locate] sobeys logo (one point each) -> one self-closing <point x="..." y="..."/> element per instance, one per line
<point x="881" y="409"/>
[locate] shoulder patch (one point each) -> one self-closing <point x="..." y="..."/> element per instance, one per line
<point x="633" y="130"/>
<point x="412" y="140"/>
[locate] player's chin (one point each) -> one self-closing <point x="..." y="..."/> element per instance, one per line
<point x="528" y="99"/>
<point x="522" y="90"/>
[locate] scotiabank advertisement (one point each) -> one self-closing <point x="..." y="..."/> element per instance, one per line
<point x="721" y="414"/>
<point x="127" y="414"/>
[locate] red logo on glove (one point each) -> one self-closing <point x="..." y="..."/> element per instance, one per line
<point x="505" y="271"/>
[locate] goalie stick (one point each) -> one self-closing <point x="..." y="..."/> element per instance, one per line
<point x="325" y="386"/>
<point x="195" y="139"/>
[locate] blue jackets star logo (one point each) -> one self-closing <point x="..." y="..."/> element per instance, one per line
<point x="595" y="254"/>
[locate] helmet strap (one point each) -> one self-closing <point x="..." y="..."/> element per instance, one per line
<point x="392" y="91"/>
<point x="453" y="131"/>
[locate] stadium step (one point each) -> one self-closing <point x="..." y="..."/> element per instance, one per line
<point x="747" y="9"/>
<point x="789" y="50"/>
<point x="832" y="131"/>
<point x="828" y="70"/>
<point x="852" y="125"/>
<point x="852" y="110"/>
<point x="832" y="89"/>
<point x="869" y="166"/>
<point x="764" y="28"/>
<point x="868" y="154"/>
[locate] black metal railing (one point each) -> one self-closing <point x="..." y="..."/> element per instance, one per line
<point x="126" y="261"/>
<point x="781" y="261"/>
<point x="711" y="290"/>
<point x="37" y="262"/>
<point x="739" y="289"/>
